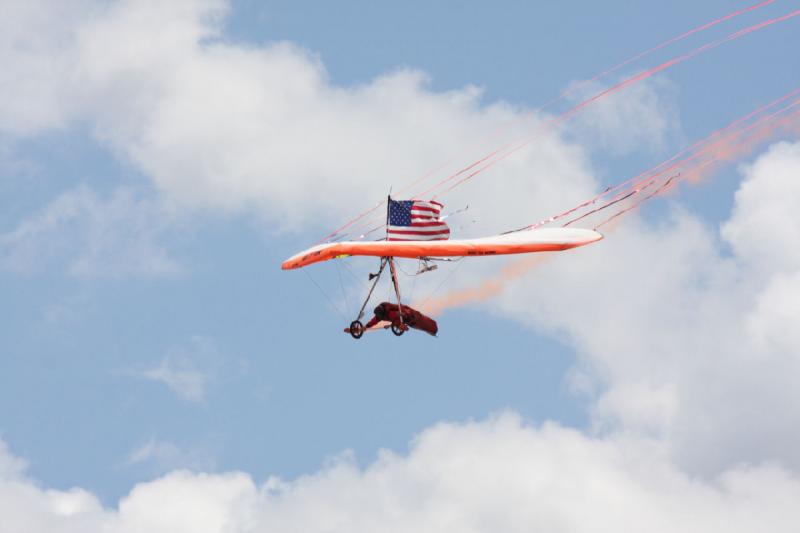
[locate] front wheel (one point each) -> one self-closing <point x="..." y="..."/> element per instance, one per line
<point x="398" y="329"/>
<point x="356" y="329"/>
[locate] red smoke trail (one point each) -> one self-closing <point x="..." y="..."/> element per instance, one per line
<point x="677" y="156"/>
<point x="373" y="221"/>
<point x="668" y="161"/>
<point x="379" y="204"/>
<point x="664" y="187"/>
<point x="660" y="169"/>
<point x="653" y="176"/>
<point x="350" y="223"/>
<point x="723" y="149"/>
<point x="725" y="142"/>
<point x="654" y="49"/>
<point x="560" y="97"/>
<point x="728" y="148"/>
<point x="729" y="133"/>
<point x="728" y="153"/>
<point x="619" y="86"/>
<point x="615" y="88"/>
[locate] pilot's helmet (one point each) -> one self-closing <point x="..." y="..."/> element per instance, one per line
<point x="380" y="311"/>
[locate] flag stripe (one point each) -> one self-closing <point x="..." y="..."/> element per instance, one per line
<point x="422" y="224"/>
<point x="416" y="220"/>
<point x="418" y="238"/>
<point x="432" y="231"/>
<point x="425" y="208"/>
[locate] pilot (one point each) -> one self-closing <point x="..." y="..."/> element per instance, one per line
<point x="384" y="311"/>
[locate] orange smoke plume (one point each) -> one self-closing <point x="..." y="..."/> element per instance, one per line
<point x="486" y="290"/>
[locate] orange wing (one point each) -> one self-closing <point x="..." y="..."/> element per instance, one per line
<point x="521" y="242"/>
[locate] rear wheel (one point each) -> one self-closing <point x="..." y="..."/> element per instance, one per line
<point x="356" y="329"/>
<point x="398" y="329"/>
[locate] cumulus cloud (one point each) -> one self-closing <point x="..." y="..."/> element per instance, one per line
<point x="689" y="351"/>
<point x="767" y="212"/>
<point x="240" y="128"/>
<point x="233" y="128"/>
<point x="679" y="338"/>
<point x="771" y="323"/>
<point x="500" y="474"/>
<point x="643" y="117"/>
<point x="250" y="129"/>
<point x="10" y="467"/>
<point x="38" y="82"/>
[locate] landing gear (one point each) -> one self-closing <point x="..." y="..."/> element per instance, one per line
<point x="356" y="329"/>
<point x="399" y="329"/>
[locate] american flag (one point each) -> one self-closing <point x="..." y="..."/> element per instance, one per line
<point x="416" y="220"/>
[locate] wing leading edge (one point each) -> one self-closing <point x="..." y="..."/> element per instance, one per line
<point x="521" y="242"/>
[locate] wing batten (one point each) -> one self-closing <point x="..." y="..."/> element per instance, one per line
<point x="540" y="240"/>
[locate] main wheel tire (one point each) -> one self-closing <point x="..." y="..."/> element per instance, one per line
<point x="398" y="330"/>
<point x="356" y="329"/>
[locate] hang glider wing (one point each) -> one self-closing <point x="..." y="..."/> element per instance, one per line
<point x="538" y="240"/>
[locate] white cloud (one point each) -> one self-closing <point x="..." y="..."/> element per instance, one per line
<point x="228" y="127"/>
<point x="236" y="128"/>
<point x="95" y="236"/>
<point x="180" y="375"/>
<point x="692" y="352"/>
<point x="763" y="228"/>
<point x="187" y="370"/>
<point x="38" y="81"/>
<point x="497" y="475"/>
<point x="677" y="337"/>
<point x="772" y="323"/>
<point x="643" y="117"/>
<point x="163" y="456"/>
<point x="10" y="467"/>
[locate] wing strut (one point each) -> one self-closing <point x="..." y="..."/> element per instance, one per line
<point x="356" y="329"/>
<point x="376" y="277"/>
<point x="396" y="288"/>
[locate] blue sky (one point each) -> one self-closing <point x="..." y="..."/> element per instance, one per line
<point x="148" y="326"/>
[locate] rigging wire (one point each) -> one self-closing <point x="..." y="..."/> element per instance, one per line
<point x="447" y="278"/>
<point x="353" y="275"/>
<point x="619" y="86"/>
<point x="612" y="202"/>
<point x="397" y="265"/>
<point x="341" y="284"/>
<point x="662" y="188"/>
<point x="414" y="281"/>
<point x="690" y="153"/>
<point x="330" y="300"/>
<point x="569" y="91"/>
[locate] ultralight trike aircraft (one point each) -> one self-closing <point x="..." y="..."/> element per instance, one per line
<point x="416" y="230"/>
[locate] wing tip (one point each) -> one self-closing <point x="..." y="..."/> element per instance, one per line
<point x="315" y="254"/>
